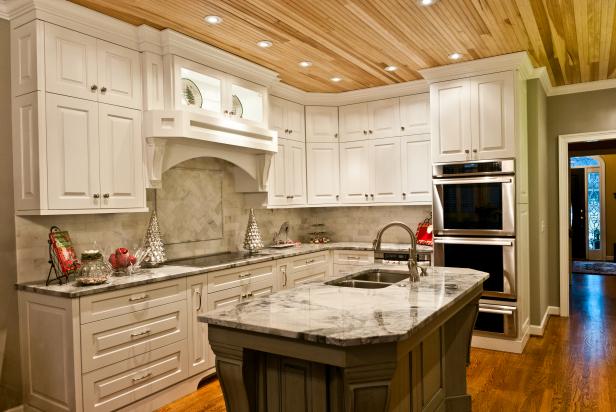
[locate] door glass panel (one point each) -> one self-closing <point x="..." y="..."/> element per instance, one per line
<point x="201" y="91"/>
<point x="247" y="103"/>
<point x="486" y="258"/>
<point x="473" y="206"/>
<point x="594" y="211"/>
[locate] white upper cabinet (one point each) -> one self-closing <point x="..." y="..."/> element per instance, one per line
<point x="355" y="160"/>
<point x="121" y="172"/>
<point x="27" y="55"/>
<point x="384" y="118"/>
<point x="415" y="114"/>
<point x="473" y="118"/>
<point x="385" y="179"/>
<point x="287" y="180"/>
<point x="70" y="63"/>
<point x="119" y="75"/>
<point x="416" y="169"/>
<point x="323" y="168"/>
<point x="321" y="124"/>
<point x="450" y="125"/>
<point x="247" y="101"/>
<point x="287" y="118"/>
<point x="353" y="122"/>
<point x="73" y="153"/>
<point x="492" y="116"/>
<point x="81" y="66"/>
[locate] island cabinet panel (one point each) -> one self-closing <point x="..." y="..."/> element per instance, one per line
<point x="200" y="355"/>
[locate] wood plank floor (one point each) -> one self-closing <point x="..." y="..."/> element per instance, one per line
<point x="571" y="368"/>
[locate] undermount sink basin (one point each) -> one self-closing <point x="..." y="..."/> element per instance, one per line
<point x="369" y="279"/>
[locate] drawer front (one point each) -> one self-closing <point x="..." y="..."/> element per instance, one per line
<point x="121" y="302"/>
<point x="112" y="340"/>
<point x="230" y="278"/>
<point x="308" y="277"/>
<point x="344" y="270"/>
<point x="122" y="383"/>
<point x="306" y="262"/>
<point x="353" y="257"/>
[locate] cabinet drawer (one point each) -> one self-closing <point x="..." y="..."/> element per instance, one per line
<point x="307" y="262"/>
<point x="121" y="302"/>
<point x="226" y="279"/>
<point x="122" y="383"/>
<point x="301" y="278"/>
<point x="353" y="257"/>
<point x="112" y="340"/>
<point x="344" y="270"/>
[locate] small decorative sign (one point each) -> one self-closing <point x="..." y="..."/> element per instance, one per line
<point x="62" y="256"/>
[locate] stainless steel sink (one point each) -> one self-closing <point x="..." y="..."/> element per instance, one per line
<point x="369" y="279"/>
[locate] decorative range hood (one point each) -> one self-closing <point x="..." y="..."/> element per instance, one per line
<point x="172" y="137"/>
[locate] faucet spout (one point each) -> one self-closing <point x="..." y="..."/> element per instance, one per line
<point x="412" y="263"/>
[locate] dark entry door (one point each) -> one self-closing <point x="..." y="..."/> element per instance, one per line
<point x="578" y="211"/>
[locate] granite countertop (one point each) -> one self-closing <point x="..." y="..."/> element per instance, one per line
<point x="194" y="266"/>
<point x="344" y="316"/>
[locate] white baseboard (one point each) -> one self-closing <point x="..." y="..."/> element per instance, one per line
<point x="503" y="344"/>
<point x="539" y="330"/>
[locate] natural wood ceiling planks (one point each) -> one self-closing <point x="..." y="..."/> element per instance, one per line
<point x="356" y="39"/>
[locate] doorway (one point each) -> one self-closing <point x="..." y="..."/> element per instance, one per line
<point x="583" y="241"/>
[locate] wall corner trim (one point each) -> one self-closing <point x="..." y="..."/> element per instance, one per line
<point x="539" y="330"/>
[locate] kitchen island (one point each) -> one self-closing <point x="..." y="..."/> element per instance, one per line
<point x="320" y="347"/>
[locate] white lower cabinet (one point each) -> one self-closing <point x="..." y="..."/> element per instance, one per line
<point x="200" y="356"/>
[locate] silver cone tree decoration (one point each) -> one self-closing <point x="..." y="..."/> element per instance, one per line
<point x="252" y="240"/>
<point x="153" y="246"/>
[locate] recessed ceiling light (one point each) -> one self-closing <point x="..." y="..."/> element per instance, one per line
<point x="427" y="2"/>
<point x="455" y="56"/>
<point x="305" y="63"/>
<point x="391" y="68"/>
<point x="264" y="44"/>
<point x="336" y="79"/>
<point x="213" y="19"/>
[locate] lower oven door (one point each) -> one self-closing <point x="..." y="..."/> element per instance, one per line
<point x="499" y="320"/>
<point x="495" y="256"/>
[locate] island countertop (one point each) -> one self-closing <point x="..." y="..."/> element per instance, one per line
<point x="343" y="316"/>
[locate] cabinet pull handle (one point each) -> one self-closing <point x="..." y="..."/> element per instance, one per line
<point x="372" y="196"/>
<point x="142" y="377"/>
<point x="106" y="195"/>
<point x="290" y="131"/>
<point x="94" y="87"/>
<point x="286" y="130"/>
<point x="226" y="112"/>
<point x="96" y="195"/>
<point x="138" y="298"/>
<point x="232" y="112"/>
<point x="284" y="274"/>
<point x="353" y="257"/>
<point x="309" y="261"/>
<point x="370" y="131"/>
<point x="403" y="194"/>
<point x="466" y="151"/>
<point x="366" y="195"/>
<point x="337" y="197"/>
<point x="402" y="128"/>
<point x="245" y="275"/>
<point x="289" y="197"/>
<point x="198" y="292"/>
<point x="145" y="332"/>
<point x="335" y="135"/>
<point x="103" y="89"/>
<point x="365" y="132"/>
<point x="474" y="150"/>
<point x="249" y="294"/>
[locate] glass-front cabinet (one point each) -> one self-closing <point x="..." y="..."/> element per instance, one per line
<point x="204" y="90"/>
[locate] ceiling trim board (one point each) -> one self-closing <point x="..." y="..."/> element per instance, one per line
<point x="583" y="87"/>
<point x="4" y="10"/>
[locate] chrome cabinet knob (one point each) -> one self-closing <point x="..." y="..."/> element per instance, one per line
<point x="106" y="195"/>
<point x="103" y="89"/>
<point x="94" y="87"/>
<point x="96" y="195"/>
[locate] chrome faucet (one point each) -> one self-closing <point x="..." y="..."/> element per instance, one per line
<point x="412" y="263"/>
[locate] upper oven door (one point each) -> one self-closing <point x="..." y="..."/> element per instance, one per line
<point x="479" y="206"/>
<point x="496" y="256"/>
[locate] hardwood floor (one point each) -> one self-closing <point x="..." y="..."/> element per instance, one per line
<point x="571" y="368"/>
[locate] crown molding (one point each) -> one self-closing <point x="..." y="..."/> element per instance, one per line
<point x="583" y="87"/>
<point x="285" y="91"/>
<point x="519" y="60"/>
<point x="4" y="10"/>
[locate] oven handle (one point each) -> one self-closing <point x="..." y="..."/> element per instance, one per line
<point x="467" y="181"/>
<point x="473" y="241"/>
<point x="496" y="311"/>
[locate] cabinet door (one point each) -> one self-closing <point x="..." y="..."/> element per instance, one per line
<point x="415" y="114"/>
<point x="277" y="116"/>
<point x="247" y="102"/>
<point x="384" y="118"/>
<point x="386" y="182"/>
<point x="323" y="169"/>
<point x="295" y="122"/>
<point x="321" y="124"/>
<point x="200" y="88"/>
<point x="492" y="116"/>
<point x="296" y="172"/>
<point x="73" y="153"/>
<point x="199" y="352"/>
<point x="416" y="169"/>
<point x="119" y="75"/>
<point x="121" y="172"/>
<point x="353" y="122"/>
<point x="70" y="63"/>
<point x="450" y="121"/>
<point x="355" y="171"/>
<point x="277" y="184"/>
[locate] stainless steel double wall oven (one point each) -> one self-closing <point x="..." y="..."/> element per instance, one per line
<point x="474" y="227"/>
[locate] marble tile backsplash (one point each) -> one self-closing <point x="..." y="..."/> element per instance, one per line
<point x="115" y="230"/>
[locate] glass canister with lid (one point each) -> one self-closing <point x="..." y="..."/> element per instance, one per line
<point x="94" y="269"/>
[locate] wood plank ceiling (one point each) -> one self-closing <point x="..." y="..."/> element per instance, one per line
<point x="357" y="39"/>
